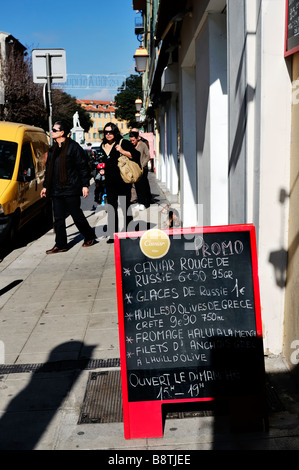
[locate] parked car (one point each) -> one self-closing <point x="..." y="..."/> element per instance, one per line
<point x="23" y="153"/>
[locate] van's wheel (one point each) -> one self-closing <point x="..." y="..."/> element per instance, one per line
<point x="13" y="229"/>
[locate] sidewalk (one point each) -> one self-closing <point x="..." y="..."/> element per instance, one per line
<point x="58" y="325"/>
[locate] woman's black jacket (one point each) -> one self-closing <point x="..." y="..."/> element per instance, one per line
<point x="112" y="173"/>
<point x="78" y="173"/>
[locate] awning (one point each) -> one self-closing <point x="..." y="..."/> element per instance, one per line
<point x="167" y="13"/>
<point x="139" y="5"/>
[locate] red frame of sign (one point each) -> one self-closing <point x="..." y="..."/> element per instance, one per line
<point x="144" y="419"/>
<point x="294" y="49"/>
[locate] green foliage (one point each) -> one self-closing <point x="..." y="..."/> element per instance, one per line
<point x="125" y="99"/>
<point x="64" y="107"/>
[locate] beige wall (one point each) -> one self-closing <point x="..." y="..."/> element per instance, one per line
<point x="291" y="324"/>
<point x="100" y="112"/>
<point x="93" y="135"/>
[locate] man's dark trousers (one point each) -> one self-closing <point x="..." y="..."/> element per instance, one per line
<point x="62" y="207"/>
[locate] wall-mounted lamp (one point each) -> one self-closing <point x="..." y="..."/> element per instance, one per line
<point x="141" y="56"/>
<point x="138" y="104"/>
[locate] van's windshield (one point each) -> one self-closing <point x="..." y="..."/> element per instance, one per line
<point x="8" y="152"/>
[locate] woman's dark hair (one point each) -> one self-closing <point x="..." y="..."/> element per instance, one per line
<point x="115" y="131"/>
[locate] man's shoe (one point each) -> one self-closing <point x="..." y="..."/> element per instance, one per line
<point x="110" y="240"/>
<point x="88" y="242"/>
<point x="55" y="249"/>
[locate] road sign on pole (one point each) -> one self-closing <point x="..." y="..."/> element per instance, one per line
<point x="49" y="66"/>
<point x="57" y="64"/>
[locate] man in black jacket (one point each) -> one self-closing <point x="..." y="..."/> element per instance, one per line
<point x="66" y="180"/>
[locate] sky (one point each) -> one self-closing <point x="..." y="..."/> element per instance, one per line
<point x="97" y="35"/>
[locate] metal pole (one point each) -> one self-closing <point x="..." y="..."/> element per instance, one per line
<point x="48" y="64"/>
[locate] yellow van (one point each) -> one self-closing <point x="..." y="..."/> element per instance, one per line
<point x="23" y="154"/>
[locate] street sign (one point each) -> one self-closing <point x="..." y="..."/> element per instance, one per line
<point x="48" y="66"/>
<point x="292" y="27"/>
<point x="190" y="324"/>
<point x="57" y="65"/>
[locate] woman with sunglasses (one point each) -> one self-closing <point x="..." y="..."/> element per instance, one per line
<point x="111" y="148"/>
<point x="66" y="180"/>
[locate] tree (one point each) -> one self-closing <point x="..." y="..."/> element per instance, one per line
<point x="125" y="99"/>
<point x="22" y="98"/>
<point x="64" y="107"/>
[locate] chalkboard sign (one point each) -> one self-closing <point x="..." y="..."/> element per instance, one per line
<point x="292" y="27"/>
<point x="189" y="317"/>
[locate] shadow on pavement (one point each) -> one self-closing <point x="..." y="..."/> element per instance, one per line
<point x="33" y="230"/>
<point x="28" y="414"/>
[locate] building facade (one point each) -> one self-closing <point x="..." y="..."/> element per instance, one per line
<point x="101" y="112"/>
<point x="223" y="92"/>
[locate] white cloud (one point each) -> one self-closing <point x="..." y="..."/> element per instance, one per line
<point x="103" y="95"/>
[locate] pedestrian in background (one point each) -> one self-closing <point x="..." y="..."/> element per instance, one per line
<point x="142" y="186"/>
<point x="100" y="184"/>
<point x="112" y="147"/>
<point x="66" y="180"/>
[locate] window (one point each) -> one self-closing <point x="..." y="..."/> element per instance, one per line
<point x="26" y="168"/>
<point x="8" y="152"/>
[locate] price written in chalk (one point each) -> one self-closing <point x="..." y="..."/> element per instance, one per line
<point x="182" y="311"/>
